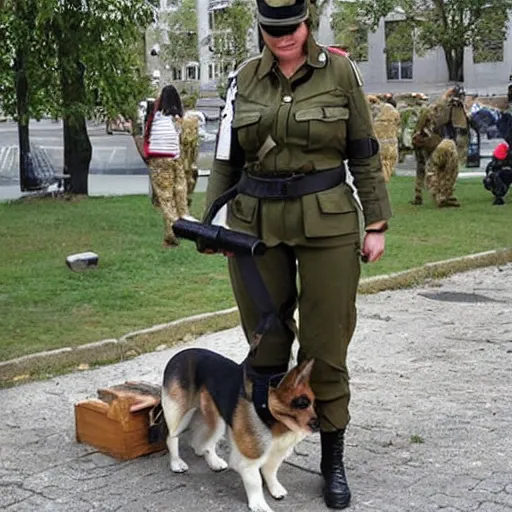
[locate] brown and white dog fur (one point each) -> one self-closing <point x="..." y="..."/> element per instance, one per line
<point x="212" y="393"/>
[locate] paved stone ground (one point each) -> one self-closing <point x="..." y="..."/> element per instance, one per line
<point x="430" y="364"/>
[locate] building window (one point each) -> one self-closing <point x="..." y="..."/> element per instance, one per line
<point x="193" y="71"/>
<point x="488" y="48"/>
<point x="220" y="68"/>
<point x="177" y="73"/>
<point x="399" y="50"/>
<point x="222" y="42"/>
<point x="213" y="71"/>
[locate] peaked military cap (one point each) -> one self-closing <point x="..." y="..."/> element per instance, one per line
<point x="282" y="12"/>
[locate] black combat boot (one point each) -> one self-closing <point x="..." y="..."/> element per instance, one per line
<point x="336" y="491"/>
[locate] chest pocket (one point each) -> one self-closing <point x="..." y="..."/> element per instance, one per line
<point x="325" y="126"/>
<point x="247" y="126"/>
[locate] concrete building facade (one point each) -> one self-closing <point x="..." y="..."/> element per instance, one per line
<point x="488" y="74"/>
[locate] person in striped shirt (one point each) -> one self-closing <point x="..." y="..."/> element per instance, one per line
<point x="164" y="159"/>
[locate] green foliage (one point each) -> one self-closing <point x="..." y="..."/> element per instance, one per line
<point x="23" y="46"/>
<point x="230" y="32"/>
<point x="229" y="38"/>
<point x="451" y="24"/>
<point x="399" y="41"/>
<point x="106" y="36"/>
<point x="108" y="39"/>
<point x="488" y="43"/>
<point x="177" y="34"/>
<point x="189" y="99"/>
<point x="350" y="31"/>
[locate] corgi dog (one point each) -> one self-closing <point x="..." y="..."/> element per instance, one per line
<point x="265" y="417"/>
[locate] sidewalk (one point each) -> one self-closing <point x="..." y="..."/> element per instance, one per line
<point x="430" y="365"/>
<point x="133" y="184"/>
<point x="99" y="185"/>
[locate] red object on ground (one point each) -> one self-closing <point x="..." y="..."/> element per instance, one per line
<point x="501" y="151"/>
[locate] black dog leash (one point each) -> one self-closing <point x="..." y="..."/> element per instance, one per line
<point x="245" y="248"/>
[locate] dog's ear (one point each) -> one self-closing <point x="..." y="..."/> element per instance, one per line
<point x="304" y="372"/>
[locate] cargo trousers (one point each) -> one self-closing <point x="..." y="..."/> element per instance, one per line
<point x="320" y="277"/>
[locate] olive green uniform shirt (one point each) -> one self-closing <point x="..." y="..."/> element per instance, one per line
<point x="305" y="123"/>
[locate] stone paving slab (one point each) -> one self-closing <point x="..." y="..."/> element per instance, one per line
<point x="431" y="419"/>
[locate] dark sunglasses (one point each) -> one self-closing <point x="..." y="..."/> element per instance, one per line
<point x="280" y="30"/>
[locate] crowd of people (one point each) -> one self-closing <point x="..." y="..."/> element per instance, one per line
<point x="437" y="134"/>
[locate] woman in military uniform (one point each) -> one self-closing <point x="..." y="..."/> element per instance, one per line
<point x="293" y="116"/>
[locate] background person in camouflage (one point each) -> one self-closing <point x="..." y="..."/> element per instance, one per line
<point x="410" y="107"/>
<point x="189" y="140"/>
<point x="442" y="137"/>
<point x="163" y="154"/>
<point x="387" y="97"/>
<point x="386" y="123"/>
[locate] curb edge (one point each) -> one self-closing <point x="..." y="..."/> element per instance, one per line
<point x="136" y="343"/>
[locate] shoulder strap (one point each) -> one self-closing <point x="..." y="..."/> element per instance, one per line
<point x="337" y="51"/>
<point x="355" y="69"/>
<point x="234" y="73"/>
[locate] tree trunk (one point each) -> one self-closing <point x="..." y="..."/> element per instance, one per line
<point x="77" y="145"/>
<point x="25" y="172"/>
<point x="455" y="64"/>
<point x="77" y="154"/>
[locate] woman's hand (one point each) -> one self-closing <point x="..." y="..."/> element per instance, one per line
<point x="373" y="247"/>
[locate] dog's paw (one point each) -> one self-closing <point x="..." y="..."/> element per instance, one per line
<point x="259" y="506"/>
<point x="179" y="466"/>
<point x="277" y="491"/>
<point x="216" y="463"/>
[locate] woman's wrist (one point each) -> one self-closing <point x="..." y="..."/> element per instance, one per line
<point x="377" y="228"/>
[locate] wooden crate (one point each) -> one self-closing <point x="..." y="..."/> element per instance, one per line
<point x="118" y="424"/>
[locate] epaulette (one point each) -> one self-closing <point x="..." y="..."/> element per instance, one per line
<point x="337" y="51"/>
<point x="233" y="74"/>
<point x="357" y="73"/>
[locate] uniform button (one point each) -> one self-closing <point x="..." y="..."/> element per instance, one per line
<point x="287" y="99"/>
<point x="322" y="58"/>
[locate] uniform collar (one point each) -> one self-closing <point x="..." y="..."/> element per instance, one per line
<point x="316" y="57"/>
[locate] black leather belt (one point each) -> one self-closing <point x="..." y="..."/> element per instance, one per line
<point x="292" y="186"/>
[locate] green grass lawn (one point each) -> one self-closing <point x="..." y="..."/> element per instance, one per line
<point x="43" y="305"/>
